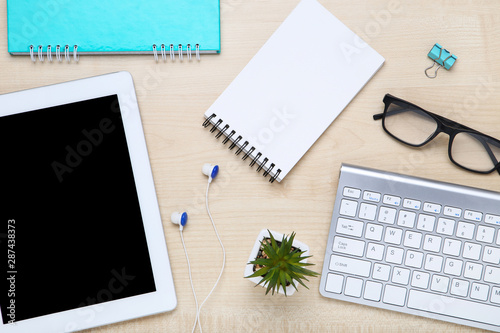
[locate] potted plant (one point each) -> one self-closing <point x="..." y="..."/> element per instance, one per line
<point x="278" y="262"/>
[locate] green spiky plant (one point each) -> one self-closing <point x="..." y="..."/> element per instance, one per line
<point x="281" y="264"/>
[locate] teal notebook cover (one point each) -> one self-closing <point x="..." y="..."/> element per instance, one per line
<point x="113" y="26"/>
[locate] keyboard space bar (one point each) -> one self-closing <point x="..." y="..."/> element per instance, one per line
<point x="454" y="307"/>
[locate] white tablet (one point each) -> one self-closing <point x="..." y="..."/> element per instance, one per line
<point x="81" y="239"/>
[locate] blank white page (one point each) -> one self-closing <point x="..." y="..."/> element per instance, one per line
<point x="295" y="86"/>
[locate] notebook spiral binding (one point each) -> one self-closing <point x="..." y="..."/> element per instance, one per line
<point x="235" y="142"/>
<point x="171" y="52"/>
<point x="40" y="55"/>
<point x="67" y="53"/>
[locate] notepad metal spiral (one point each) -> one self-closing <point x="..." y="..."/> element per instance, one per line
<point x="41" y="56"/>
<point x="180" y="52"/>
<point x="223" y="130"/>
<point x="37" y="52"/>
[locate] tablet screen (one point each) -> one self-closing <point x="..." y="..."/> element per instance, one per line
<point x="73" y="233"/>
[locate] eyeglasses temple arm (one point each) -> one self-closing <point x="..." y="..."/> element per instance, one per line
<point x="393" y="112"/>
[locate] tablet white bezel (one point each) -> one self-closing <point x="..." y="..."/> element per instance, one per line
<point x="164" y="298"/>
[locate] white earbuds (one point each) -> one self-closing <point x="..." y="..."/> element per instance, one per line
<point x="210" y="170"/>
<point x="179" y="218"/>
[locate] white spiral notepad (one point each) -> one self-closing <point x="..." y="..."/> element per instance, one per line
<point x="292" y="89"/>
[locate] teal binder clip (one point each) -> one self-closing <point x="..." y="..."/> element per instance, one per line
<point x="442" y="58"/>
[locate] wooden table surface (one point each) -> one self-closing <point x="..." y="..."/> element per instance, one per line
<point x="173" y="97"/>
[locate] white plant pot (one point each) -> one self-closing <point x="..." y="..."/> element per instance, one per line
<point x="290" y="290"/>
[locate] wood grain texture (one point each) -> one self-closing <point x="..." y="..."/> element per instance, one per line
<point x="173" y="97"/>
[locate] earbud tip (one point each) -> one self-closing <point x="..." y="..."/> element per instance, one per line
<point x="184" y="219"/>
<point x="215" y="171"/>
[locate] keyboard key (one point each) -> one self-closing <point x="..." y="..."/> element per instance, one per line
<point x="412" y="204"/>
<point x="430" y="207"/>
<point x="420" y="279"/>
<point x="375" y="251"/>
<point x="498" y="237"/>
<point x="459" y="287"/>
<point x="492" y="219"/>
<point x="452" y="247"/>
<point x="473" y="271"/>
<point x="393" y="235"/>
<point x="414" y="259"/>
<point x="348" y="207"/>
<point x="353" y="287"/>
<point x="433" y="263"/>
<point x="350" y="265"/>
<point x="392" y="200"/>
<point x="465" y="230"/>
<point x="374" y="231"/>
<point x="440" y="283"/>
<point x="394" y="255"/>
<point x="426" y="222"/>
<point x="367" y="211"/>
<point x="432" y="243"/>
<point x="492" y="274"/>
<point x="473" y="216"/>
<point x="491" y="255"/>
<point x="373" y="290"/>
<point x="472" y="251"/>
<point x="453" y="266"/>
<point x="348" y="246"/>
<point x="445" y="226"/>
<point x="334" y="283"/>
<point x="412" y="239"/>
<point x="381" y="272"/>
<point x="453" y="307"/>
<point x="495" y="295"/>
<point x="485" y="234"/>
<point x="371" y="196"/>
<point x="400" y="275"/>
<point x="394" y="295"/>
<point x="479" y="291"/>
<point x="452" y="211"/>
<point x="349" y="227"/>
<point x="406" y="219"/>
<point x="387" y="215"/>
<point x="351" y="192"/>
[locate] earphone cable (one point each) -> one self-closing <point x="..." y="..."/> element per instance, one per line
<point x="223" y="255"/>
<point x="192" y="286"/>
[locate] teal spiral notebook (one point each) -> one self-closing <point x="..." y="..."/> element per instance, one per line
<point x="65" y="28"/>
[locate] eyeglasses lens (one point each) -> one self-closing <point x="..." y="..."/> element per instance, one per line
<point x="475" y="151"/>
<point x="409" y="124"/>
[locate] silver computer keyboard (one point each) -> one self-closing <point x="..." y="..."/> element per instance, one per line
<point x="416" y="246"/>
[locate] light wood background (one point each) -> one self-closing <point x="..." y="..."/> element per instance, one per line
<point x="173" y="97"/>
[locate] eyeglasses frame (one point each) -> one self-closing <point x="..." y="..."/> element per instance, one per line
<point x="444" y="125"/>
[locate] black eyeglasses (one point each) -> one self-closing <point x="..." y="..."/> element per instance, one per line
<point x="414" y="126"/>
